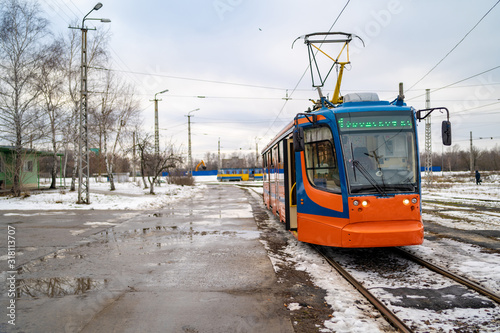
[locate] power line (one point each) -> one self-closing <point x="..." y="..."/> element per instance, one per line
<point x="303" y="74"/>
<point x="190" y="79"/>
<point x="452" y="84"/>
<point x="453" y="49"/>
<point x="79" y="13"/>
<point x="235" y="97"/>
<point x="478" y="107"/>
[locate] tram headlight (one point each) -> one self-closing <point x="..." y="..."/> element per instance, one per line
<point x="406" y="202"/>
<point x="414" y="200"/>
<point x="363" y="203"/>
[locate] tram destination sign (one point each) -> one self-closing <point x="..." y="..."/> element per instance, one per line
<point x="353" y="122"/>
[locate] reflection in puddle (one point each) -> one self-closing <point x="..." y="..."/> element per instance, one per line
<point x="59" y="254"/>
<point x="57" y="287"/>
<point x="109" y="233"/>
<point x="162" y="236"/>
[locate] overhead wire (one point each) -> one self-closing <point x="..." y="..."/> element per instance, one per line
<point x="55" y="3"/>
<point x="192" y="79"/>
<point x="75" y="14"/>
<point x="477" y="107"/>
<point x="454" y="47"/>
<point x="305" y="72"/>
<point x="459" y="81"/>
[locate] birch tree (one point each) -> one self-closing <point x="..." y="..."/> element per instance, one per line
<point x="50" y="84"/>
<point x="119" y="111"/>
<point x="22" y="34"/>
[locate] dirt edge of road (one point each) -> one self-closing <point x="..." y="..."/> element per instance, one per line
<point x="296" y="286"/>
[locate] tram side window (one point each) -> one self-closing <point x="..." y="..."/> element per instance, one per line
<point x="321" y="162"/>
<point x="274" y="159"/>
<point x="281" y="151"/>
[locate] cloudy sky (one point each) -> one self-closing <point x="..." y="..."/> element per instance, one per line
<point x="233" y="59"/>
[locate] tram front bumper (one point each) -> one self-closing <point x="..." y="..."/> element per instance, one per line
<point x="383" y="234"/>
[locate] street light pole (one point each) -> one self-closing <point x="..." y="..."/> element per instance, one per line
<point x="83" y="143"/>
<point x="157" y="130"/>
<point x="190" y="159"/>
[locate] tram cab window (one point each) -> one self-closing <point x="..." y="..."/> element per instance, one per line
<point x="380" y="151"/>
<point x="321" y="162"/>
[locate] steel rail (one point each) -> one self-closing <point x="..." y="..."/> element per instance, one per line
<point x="453" y="276"/>
<point x="388" y="314"/>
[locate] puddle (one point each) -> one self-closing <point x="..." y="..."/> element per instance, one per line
<point x="57" y="287"/>
<point x="77" y="232"/>
<point x="59" y="254"/>
<point x="111" y="235"/>
<point x="144" y="231"/>
<point x="99" y="224"/>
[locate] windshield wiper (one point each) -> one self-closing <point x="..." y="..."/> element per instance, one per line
<point x="368" y="177"/>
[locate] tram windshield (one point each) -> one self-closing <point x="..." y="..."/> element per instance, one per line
<point x="379" y="150"/>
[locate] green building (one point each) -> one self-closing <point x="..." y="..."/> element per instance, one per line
<point x="29" y="169"/>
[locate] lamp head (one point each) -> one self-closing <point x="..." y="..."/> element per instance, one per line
<point x="98" y="6"/>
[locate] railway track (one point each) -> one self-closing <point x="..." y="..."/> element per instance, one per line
<point x="390" y="316"/>
<point x="466" y="282"/>
<point x="407" y="318"/>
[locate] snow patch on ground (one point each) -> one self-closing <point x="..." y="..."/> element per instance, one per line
<point x="127" y="196"/>
<point x="466" y="260"/>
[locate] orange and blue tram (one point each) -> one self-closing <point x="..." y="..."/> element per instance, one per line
<point x="348" y="175"/>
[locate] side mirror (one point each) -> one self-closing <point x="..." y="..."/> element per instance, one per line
<point x="446" y="132"/>
<point x="298" y="139"/>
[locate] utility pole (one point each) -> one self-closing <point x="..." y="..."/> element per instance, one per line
<point x="133" y="155"/>
<point x="256" y="154"/>
<point x="428" y="140"/>
<point x="83" y="144"/>
<point x="219" y="166"/>
<point x="471" y="160"/>
<point x="157" y="130"/>
<point x="190" y="158"/>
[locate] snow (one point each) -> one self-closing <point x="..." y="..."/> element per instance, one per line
<point x="127" y="196"/>
<point x="350" y="312"/>
<point x="464" y="259"/>
<point x="460" y="187"/>
<point x="294" y="306"/>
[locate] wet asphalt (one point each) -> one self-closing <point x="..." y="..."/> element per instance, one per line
<point x="196" y="265"/>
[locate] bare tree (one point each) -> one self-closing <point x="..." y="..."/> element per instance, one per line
<point x="119" y="110"/>
<point x="22" y="33"/>
<point x="72" y="45"/>
<point x="211" y="161"/>
<point x="50" y="84"/>
<point x="153" y="165"/>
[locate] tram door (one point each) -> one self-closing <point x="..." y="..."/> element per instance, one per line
<point x="267" y="179"/>
<point x="290" y="186"/>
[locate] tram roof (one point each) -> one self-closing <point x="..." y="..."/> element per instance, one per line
<point x="355" y="106"/>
